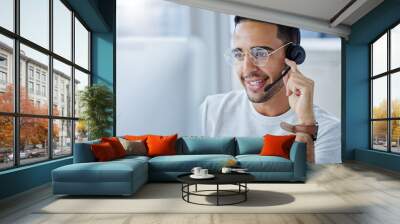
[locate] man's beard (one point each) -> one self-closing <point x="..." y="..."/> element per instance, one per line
<point x="268" y="94"/>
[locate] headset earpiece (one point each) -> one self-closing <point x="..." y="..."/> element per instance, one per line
<point x="296" y="53"/>
<point x="293" y="52"/>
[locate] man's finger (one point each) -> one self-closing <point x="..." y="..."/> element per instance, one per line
<point x="303" y="82"/>
<point x="291" y="64"/>
<point x="296" y="84"/>
<point x="285" y="81"/>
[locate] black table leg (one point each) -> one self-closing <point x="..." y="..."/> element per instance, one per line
<point x="188" y="190"/>
<point x="185" y="188"/>
<point x="245" y="193"/>
<point x="182" y="190"/>
<point x="217" y="194"/>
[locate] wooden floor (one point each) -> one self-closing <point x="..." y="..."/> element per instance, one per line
<point x="378" y="188"/>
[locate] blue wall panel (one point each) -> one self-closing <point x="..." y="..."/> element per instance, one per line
<point x="103" y="63"/>
<point x="102" y="58"/>
<point x="357" y="99"/>
<point x="377" y="158"/>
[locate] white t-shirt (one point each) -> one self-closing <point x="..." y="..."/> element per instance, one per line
<point x="232" y="114"/>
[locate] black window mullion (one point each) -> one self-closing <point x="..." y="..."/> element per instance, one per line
<point x="16" y="84"/>
<point x="84" y="70"/>
<point x="389" y="76"/>
<point x="36" y="116"/>
<point x="73" y="82"/>
<point x="387" y="72"/>
<point x="50" y="87"/>
<point x="89" y="53"/>
<point x="371" y="137"/>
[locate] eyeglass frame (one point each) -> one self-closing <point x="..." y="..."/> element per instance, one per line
<point x="228" y="55"/>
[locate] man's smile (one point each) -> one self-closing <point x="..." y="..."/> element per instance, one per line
<point x="256" y="84"/>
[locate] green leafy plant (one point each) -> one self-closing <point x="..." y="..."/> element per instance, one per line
<point x="96" y="102"/>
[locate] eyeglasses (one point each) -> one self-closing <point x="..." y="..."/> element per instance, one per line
<point x="258" y="55"/>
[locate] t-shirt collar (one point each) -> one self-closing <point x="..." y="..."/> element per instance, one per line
<point x="288" y="115"/>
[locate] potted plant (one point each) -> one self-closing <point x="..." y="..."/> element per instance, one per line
<point x="96" y="102"/>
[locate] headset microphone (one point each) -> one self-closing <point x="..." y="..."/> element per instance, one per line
<point x="293" y="52"/>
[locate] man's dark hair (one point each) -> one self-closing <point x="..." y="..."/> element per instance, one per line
<point x="285" y="33"/>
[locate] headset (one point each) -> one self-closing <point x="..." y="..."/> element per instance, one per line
<point x="293" y="52"/>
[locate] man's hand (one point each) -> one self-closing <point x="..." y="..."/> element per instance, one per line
<point x="300" y="91"/>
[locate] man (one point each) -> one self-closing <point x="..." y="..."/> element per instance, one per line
<point x="259" y="58"/>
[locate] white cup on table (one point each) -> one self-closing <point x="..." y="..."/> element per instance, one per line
<point x="203" y="172"/>
<point x="226" y="170"/>
<point x="196" y="171"/>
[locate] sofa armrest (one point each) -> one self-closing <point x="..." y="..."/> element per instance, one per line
<point x="299" y="159"/>
<point x="83" y="153"/>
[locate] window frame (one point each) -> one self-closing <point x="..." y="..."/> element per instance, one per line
<point x="16" y="114"/>
<point x="388" y="74"/>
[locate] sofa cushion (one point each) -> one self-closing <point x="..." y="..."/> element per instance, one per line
<point x="185" y="163"/>
<point x="249" y="145"/>
<point x="277" y="145"/>
<point x="136" y="137"/>
<point x="135" y="147"/>
<point x="112" y="171"/>
<point x="206" y="145"/>
<point x="103" y="152"/>
<point x="159" y="145"/>
<point x="116" y="145"/>
<point x="257" y="163"/>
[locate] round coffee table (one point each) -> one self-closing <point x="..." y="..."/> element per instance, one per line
<point x="238" y="179"/>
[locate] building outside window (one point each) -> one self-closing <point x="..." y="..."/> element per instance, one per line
<point x="37" y="75"/>
<point x="30" y="87"/>
<point x="3" y="72"/>
<point x="43" y="77"/>
<point x="3" y="61"/>
<point x="3" y="77"/>
<point x="38" y="89"/>
<point x="30" y="72"/>
<point x="43" y="90"/>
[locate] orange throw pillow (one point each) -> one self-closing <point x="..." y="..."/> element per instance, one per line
<point x="103" y="152"/>
<point x="136" y="137"/>
<point x="161" y="145"/>
<point x="277" y="145"/>
<point x="116" y="145"/>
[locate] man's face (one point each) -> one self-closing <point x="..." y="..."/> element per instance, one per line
<point x="249" y="34"/>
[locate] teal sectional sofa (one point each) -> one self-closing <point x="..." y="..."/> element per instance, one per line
<point x="125" y="176"/>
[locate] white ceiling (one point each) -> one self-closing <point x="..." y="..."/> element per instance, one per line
<point x="320" y="9"/>
<point x="328" y="16"/>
